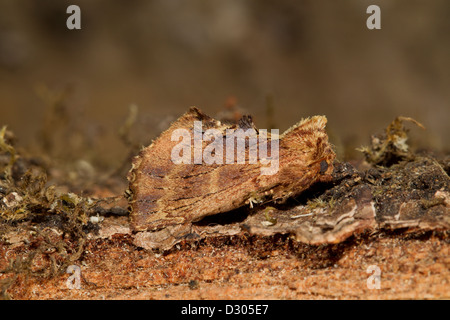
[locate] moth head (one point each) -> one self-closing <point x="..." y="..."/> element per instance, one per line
<point x="305" y="147"/>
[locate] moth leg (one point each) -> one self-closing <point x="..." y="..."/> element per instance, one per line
<point x="254" y="199"/>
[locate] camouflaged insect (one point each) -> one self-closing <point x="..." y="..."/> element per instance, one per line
<point x="162" y="193"/>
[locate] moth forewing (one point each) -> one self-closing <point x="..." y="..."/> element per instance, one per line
<point x="265" y="165"/>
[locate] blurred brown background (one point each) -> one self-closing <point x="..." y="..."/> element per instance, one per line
<point x="301" y="57"/>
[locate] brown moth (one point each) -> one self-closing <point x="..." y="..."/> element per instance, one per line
<point x="164" y="193"/>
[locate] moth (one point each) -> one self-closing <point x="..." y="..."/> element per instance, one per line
<point x="180" y="179"/>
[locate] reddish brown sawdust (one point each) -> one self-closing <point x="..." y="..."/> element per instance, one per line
<point x="253" y="268"/>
